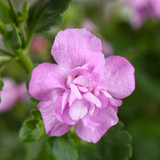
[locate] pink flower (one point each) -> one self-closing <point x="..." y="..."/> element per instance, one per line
<point x="144" y="9"/>
<point x="39" y="44"/>
<point x="11" y="93"/>
<point x="83" y="88"/>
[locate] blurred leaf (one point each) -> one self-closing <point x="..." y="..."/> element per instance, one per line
<point x="2" y="28"/>
<point x="115" y="144"/>
<point x="25" y="11"/>
<point x="36" y="147"/>
<point x="63" y="148"/>
<point x="23" y="15"/>
<point x="33" y="128"/>
<point x="4" y="12"/>
<point x="1" y="84"/>
<point x="44" y="14"/>
<point x="36" y="113"/>
<point x="146" y="138"/>
<point x="12" y="39"/>
<point x="88" y="151"/>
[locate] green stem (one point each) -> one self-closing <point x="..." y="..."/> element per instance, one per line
<point x="29" y="38"/>
<point x="5" y="52"/>
<point x="25" y="61"/>
<point x="14" y="13"/>
<point x="4" y="58"/>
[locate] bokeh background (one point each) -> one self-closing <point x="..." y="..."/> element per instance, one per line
<point x="110" y="20"/>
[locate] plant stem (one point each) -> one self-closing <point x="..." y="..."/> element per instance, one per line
<point x="14" y="13"/>
<point x="5" y="52"/>
<point x="25" y="61"/>
<point x="4" y="58"/>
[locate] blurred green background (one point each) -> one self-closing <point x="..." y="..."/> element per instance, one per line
<point x="140" y="112"/>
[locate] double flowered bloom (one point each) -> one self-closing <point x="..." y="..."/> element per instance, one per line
<point x="143" y="9"/>
<point x="83" y="88"/>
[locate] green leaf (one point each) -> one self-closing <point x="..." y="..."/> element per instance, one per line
<point x="36" y="113"/>
<point x="2" y="28"/>
<point x="115" y="144"/>
<point x="44" y="14"/>
<point x="23" y="15"/>
<point x="62" y="148"/>
<point x="1" y="84"/>
<point x="12" y="39"/>
<point x="33" y="128"/>
<point x="5" y="12"/>
<point x="88" y="151"/>
<point x="36" y="147"/>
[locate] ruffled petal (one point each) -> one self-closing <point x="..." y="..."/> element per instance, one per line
<point x="44" y="78"/>
<point x="92" y="128"/>
<point x="119" y="77"/>
<point x="72" y="47"/>
<point x="52" y="125"/>
<point x="96" y="64"/>
<point x="64" y="116"/>
<point x="78" y="110"/>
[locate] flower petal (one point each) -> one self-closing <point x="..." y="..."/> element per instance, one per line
<point x="75" y="91"/>
<point x="78" y="110"/>
<point x="119" y="77"/>
<point x="44" y="78"/>
<point x="52" y="125"/>
<point x="92" y="128"/>
<point x="72" y="47"/>
<point x="92" y="99"/>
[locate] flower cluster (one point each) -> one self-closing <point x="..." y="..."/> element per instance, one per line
<point x="83" y="88"/>
<point x="143" y="9"/>
<point x="12" y="93"/>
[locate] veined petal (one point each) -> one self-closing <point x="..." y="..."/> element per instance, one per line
<point x="92" y="99"/>
<point x="92" y="128"/>
<point x="52" y="125"/>
<point x="119" y="77"/>
<point x="72" y="47"/>
<point x="44" y="78"/>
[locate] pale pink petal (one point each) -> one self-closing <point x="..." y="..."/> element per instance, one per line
<point x="81" y="80"/>
<point x="72" y="98"/>
<point x="44" y="78"/>
<point x="52" y="125"/>
<point x="92" y="128"/>
<point x="64" y="116"/>
<point x="92" y="109"/>
<point x="82" y="89"/>
<point x="64" y="100"/>
<point x="119" y="77"/>
<point x="72" y="47"/>
<point x="78" y="110"/>
<point x="75" y="91"/>
<point x="92" y="99"/>
<point x="113" y="101"/>
<point x="96" y="64"/>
